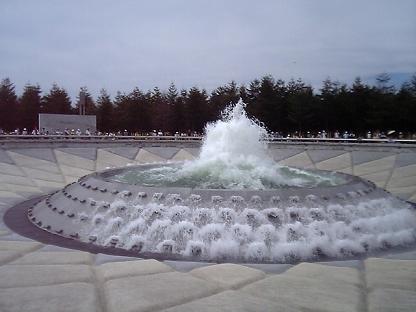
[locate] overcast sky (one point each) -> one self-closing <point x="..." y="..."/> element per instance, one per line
<point x="118" y="45"/>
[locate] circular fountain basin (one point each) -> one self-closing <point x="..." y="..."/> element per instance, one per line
<point x="283" y="224"/>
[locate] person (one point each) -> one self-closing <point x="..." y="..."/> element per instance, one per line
<point x="78" y="132"/>
<point x="346" y="135"/>
<point x="24" y="132"/>
<point x="87" y="132"/>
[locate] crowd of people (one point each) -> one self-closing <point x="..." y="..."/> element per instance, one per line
<point x="273" y="135"/>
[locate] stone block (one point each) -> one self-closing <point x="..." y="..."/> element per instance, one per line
<point x="183" y="155"/>
<point x="32" y="162"/>
<point x="335" y="163"/>
<point x="106" y="159"/>
<point x="155" y="292"/>
<point x="375" y="166"/>
<point x="301" y="160"/>
<point x="406" y="159"/>
<point x="74" y="161"/>
<point x="7" y="256"/>
<point x="83" y="152"/>
<point x="228" y="275"/>
<point x="38" y="153"/>
<point x="361" y="156"/>
<point x="39" y="275"/>
<point x="164" y="152"/>
<point x="72" y="297"/>
<point x="279" y="154"/>
<point x="114" y="270"/>
<point x="74" y="171"/>
<point x="10" y="169"/>
<point x="231" y="301"/>
<point x="54" y="257"/>
<point x="388" y="273"/>
<point x="309" y="294"/>
<point x="391" y="300"/>
<point x="42" y="174"/>
<point x="324" y="273"/>
<point x="104" y="258"/>
<point x="127" y="152"/>
<point x="186" y="266"/>
<point x="19" y="246"/>
<point x="144" y="156"/>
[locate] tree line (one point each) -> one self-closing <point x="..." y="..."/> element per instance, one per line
<point x="283" y="106"/>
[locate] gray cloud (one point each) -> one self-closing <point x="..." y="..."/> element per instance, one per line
<point x="122" y="44"/>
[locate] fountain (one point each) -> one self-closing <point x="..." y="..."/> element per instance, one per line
<point x="233" y="203"/>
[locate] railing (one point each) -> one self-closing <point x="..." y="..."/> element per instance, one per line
<point x="102" y="138"/>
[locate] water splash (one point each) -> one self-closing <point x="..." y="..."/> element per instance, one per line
<point x="275" y="234"/>
<point x="233" y="155"/>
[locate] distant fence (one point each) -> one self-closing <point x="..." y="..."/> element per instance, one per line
<point x="130" y="138"/>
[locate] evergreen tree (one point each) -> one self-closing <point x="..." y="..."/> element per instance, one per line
<point x="179" y="113"/>
<point x="8" y="105"/>
<point x="160" y="111"/>
<point x="300" y="106"/>
<point x="56" y="101"/>
<point x="105" y="109"/>
<point x="176" y="110"/>
<point x="222" y="97"/>
<point x="197" y="109"/>
<point x="90" y="108"/>
<point x="30" y="107"/>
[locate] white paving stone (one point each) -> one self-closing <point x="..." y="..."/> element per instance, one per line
<point x="323" y="273"/>
<point x="13" y="179"/>
<point x="228" y="275"/>
<point x="335" y="163"/>
<point x="9" y="169"/>
<point x="22" y="247"/>
<point x="89" y="153"/>
<point x="38" y="275"/>
<point x="114" y="270"/>
<point x="74" y="171"/>
<point x="386" y="273"/>
<point x="55" y="257"/>
<point x="41" y="174"/>
<point x="72" y="297"/>
<point x="403" y="172"/>
<point x="144" y="156"/>
<point x="106" y="159"/>
<point x="279" y="154"/>
<point x="309" y="294"/>
<point x="7" y="256"/>
<point x="74" y="161"/>
<point x="35" y="163"/>
<point x="391" y="300"/>
<point x="183" y="155"/>
<point x="153" y="292"/>
<point x="402" y="182"/>
<point x="375" y="166"/>
<point x="301" y="160"/>
<point x="379" y="178"/>
<point x="232" y="301"/>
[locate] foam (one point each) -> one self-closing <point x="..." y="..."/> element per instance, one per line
<point x="250" y="234"/>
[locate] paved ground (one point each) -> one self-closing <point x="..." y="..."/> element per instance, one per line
<point x="37" y="277"/>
